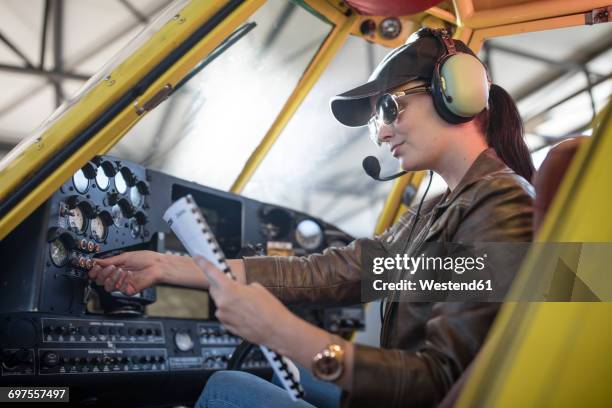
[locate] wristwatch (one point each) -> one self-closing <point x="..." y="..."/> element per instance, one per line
<point x="328" y="364"/>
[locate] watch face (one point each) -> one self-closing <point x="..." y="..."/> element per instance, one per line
<point x="327" y="366"/>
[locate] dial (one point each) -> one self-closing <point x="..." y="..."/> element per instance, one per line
<point x="117" y="214"/>
<point x="80" y="182"/>
<point x="309" y="234"/>
<point x="183" y="341"/>
<point x="98" y="229"/>
<point x="102" y="179"/>
<point x="120" y="183"/>
<point x="390" y="28"/>
<point x="77" y="220"/>
<point x="59" y="253"/>
<point x="135" y="228"/>
<point x="136" y="197"/>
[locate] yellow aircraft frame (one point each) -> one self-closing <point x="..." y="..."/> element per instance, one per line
<point x="544" y="334"/>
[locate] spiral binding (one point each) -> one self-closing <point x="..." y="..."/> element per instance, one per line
<point x="279" y="364"/>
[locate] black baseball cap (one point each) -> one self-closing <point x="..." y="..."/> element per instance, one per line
<point x="414" y="60"/>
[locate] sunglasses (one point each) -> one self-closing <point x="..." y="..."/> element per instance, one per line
<point x="387" y="110"/>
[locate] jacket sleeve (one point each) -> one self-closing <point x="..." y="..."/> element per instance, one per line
<point x="454" y="331"/>
<point x="330" y="278"/>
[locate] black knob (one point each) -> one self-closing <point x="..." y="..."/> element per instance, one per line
<point x="112" y="330"/>
<point x="144" y="360"/>
<point x="103" y="330"/>
<point x="131" y="331"/>
<point x="141" y="218"/>
<point x="139" y="332"/>
<point x="148" y="332"/>
<point x="122" y="331"/>
<point x="93" y="330"/>
<point x="72" y="330"/>
<point x="124" y="360"/>
<point x="49" y="329"/>
<point x="157" y="332"/>
<point x="112" y="199"/>
<point x="50" y="359"/>
<point x="60" y="330"/>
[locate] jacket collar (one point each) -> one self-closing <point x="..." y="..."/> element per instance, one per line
<point x="486" y="163"/>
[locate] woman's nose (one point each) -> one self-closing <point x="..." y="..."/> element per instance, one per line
<point x="384" y="134"/>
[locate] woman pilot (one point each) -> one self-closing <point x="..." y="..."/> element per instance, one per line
<point x="430" y="101"/>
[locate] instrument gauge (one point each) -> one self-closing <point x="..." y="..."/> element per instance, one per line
<point x="135" y="228"/>
<point x="80" y="182"/>
<point x="136" y="197"/>
<point x="77" y="219"/>
<point x="309" y="234"/>
<point x="102" y="179"/>
<point x="117" y="214"/>
<point x="183" y="341"/>
<point x="120" y="183"/>
<point x="98" y="229"/>
<point x="58" y="252"/>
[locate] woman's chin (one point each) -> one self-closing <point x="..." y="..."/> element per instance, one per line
<point x="408" y="164"/>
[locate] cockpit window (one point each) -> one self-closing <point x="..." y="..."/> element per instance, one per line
<point x="207" y="130"/>
<point x="315" y="166"/>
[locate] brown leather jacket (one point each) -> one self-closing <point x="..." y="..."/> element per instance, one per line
<point x="424" y="346"/>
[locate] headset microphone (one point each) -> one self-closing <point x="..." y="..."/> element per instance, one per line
<point x="371" y="166"/>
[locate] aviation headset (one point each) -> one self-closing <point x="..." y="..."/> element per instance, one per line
<point x="460" y="83"/>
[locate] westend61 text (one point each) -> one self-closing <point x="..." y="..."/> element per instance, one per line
<point x="432" y="285"/>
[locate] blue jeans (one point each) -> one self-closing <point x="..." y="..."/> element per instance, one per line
<point x="237" y="389"/>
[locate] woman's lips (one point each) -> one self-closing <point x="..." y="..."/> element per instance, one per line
<point x="395" y="149"/>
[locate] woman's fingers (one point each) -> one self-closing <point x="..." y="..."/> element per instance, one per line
<point x="117" y="260"/>
<point x="110" y="282"/>
<point x="104" y="273"/>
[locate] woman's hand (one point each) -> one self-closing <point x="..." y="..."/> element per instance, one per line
<point x="129" y="272"/>
<point x="249" y="311"/>
<point x="134" y="271"/>
<point x="253" y="313"/>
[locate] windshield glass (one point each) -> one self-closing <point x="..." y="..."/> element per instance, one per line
<point x="315" y="166"/>
<point x="206" y="130"/>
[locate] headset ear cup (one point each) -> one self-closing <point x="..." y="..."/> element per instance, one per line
<point x="440" y="103"/>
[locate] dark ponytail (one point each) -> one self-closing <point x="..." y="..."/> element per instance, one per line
<point x="503" y="125"/>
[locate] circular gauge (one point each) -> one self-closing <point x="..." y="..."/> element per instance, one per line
<point x="135" y="228"/>
<point x="136" y="197"/>
<point x="120" y="183"/>
<point x="98" y="229"/>
<point x="80" y="182"/>
<point x="117" y="215"/>
<point x="77" y="219"/>
<point x="58" y="251"/>
<point x="102" y="179"/>
<point x="390" y="28"/>
<point x="309" y="234"/>
<point x="183" y="341"/>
